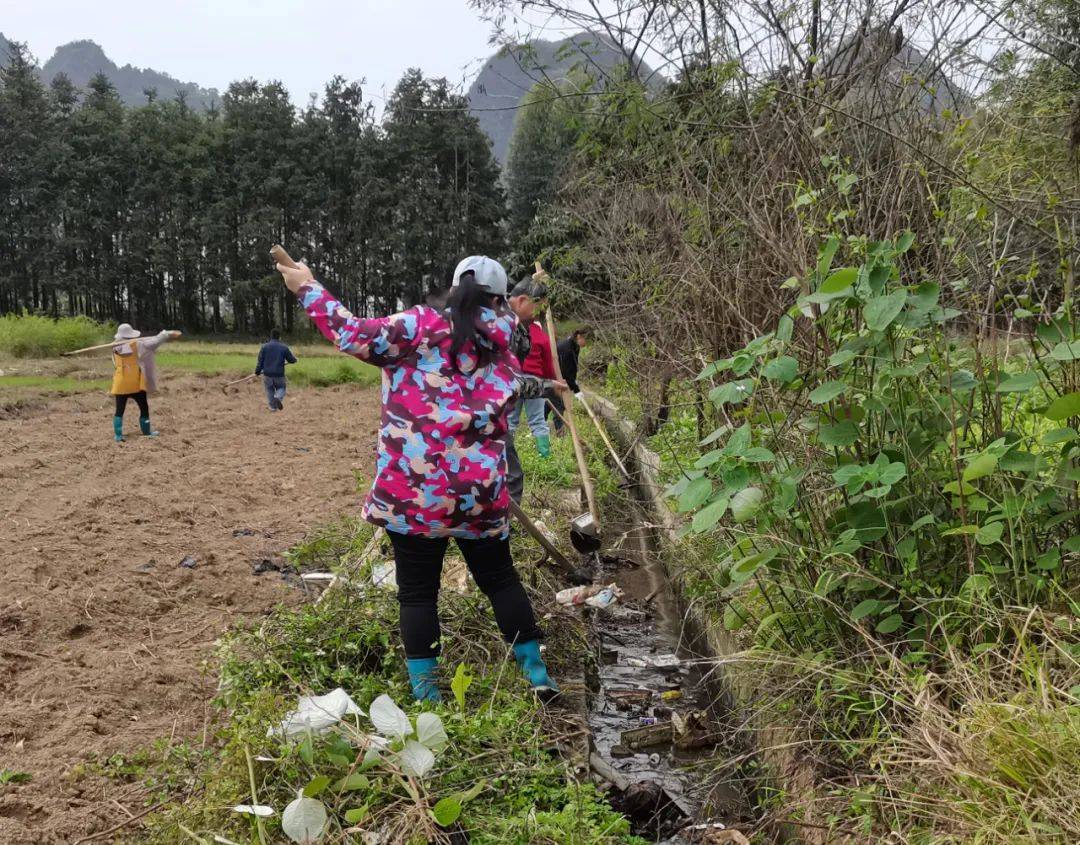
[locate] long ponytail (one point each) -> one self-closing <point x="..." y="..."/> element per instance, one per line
<point x="465" y="302"/>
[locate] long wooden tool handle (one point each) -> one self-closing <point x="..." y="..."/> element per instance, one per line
<point x="280" y="256"/>
<point x="568" y="403"/>
<point x="538" y="535"/>
<point x="604" y="437"/>
<point x="108" y="345"/>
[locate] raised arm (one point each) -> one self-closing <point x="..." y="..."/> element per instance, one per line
<point x="380" y="341"/>
<point x="154" y="342"/>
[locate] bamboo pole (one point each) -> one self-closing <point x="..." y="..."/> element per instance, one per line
<point x="568" y="401"/>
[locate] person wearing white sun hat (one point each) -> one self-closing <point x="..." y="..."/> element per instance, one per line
<point x="135" y="375"/>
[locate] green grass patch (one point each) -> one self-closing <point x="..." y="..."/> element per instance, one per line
<point x="51" y="384"/>
<point x="28" y="336"/>
<point x="313" y="371"/>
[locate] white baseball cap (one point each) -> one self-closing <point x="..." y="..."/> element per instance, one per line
<point x="489" y="273"/>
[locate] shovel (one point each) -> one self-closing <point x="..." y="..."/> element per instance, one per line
<point x="584" y="529"/>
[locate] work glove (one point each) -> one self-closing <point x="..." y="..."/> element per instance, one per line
<point x="580" y="396"/>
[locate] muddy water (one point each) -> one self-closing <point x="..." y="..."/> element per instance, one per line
<point x="648" y="675"/>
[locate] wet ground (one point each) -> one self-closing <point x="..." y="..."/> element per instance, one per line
<point x="657" y="724"/>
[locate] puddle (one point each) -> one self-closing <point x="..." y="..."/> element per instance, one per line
<point x="654" y="720"/>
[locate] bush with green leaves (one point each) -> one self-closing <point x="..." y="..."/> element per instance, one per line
<point x="874" y="468"/>
<point x="31" y="336"/>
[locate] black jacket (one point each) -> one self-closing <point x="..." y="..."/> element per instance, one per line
<point x="272" y="359"/>
<point x="568" y="362"/>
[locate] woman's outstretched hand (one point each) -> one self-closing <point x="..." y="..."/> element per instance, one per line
<point x="295" y="276"/>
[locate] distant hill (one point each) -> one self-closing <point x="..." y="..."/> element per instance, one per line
<point x="82" y="60"/>
<point x="508" y="75"/>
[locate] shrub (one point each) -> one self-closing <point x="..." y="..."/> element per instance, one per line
<point x="30" y="336"/>
<point x="875" y="471"/>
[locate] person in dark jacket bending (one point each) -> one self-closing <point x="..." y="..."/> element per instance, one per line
<point x="568" y="352"/>
<point x="273" y="356"/>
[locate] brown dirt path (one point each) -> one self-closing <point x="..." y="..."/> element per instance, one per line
<point x="103" y="634"/>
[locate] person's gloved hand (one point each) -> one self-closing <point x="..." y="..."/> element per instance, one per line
<point x="580" y="396"/>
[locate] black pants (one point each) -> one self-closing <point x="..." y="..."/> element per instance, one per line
<point x="419" y="563"/>
<point x="140" y="400"/>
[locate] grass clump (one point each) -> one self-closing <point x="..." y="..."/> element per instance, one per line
<point x="32" y="336"/>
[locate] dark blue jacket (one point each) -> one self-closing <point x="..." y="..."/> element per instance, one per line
<point x="273" y="356"/>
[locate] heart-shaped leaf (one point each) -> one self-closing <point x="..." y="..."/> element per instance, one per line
<point x="890" y="624"/>
<point x="838" y="434"/>
<point x="304" y="820"/>
<point x="865" y="608"/>
<point x="783" y="369"/>
<point x="982" y="466"/>
<point x="1064" y="407"/>
<point x="882" y="310"/>
<point x="989" y="534"/>
<point x="415" y="759"/>
<point x="1020" y="383"/>
<point x="695" y="494"/>
<point x="706" y="518"/>
<point x="430" y="731"/>
<point x="1066" y="351"/>
<point x="827" y="392"/>
<point x="389" y="719"/>
<point x="355" y="782"/>
<point x="447" y="811"/>
<point x="839" y="281"/>
<point x="316" y="785"/>
<point x="746" y="503"/>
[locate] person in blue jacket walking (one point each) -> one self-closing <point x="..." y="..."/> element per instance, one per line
<point x="273" y="356"/>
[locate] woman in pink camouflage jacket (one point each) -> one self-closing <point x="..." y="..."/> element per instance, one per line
<point x="447" y="379"/>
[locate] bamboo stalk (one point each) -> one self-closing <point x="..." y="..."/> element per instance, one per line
<point x="568" y="401"/>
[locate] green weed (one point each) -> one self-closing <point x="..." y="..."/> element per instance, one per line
<point x="29" y="336"/>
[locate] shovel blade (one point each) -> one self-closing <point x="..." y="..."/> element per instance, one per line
<point x="585" y="534"/>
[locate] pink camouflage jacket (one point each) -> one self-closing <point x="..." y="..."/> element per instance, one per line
<point x="442" y="445"/>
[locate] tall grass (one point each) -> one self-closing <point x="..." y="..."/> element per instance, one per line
<point x="29" y="336"/>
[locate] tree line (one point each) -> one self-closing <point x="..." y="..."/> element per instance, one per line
<point x="162" y="214"/>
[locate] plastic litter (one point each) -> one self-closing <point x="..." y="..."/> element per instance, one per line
<point x="655" y="661"/>
<point x="317" y="713"/>
<point x="592" y="595"/>
<point x="384" y="574"/>
<point x="671" y="695"/>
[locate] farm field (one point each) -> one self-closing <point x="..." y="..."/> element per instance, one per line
<point x="105" y="631"/>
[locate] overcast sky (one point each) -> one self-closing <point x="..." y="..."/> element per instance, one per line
<point x="301" y="42"/>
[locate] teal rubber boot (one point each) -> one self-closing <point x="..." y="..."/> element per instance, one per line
<point x="543" y="445"/>
<point x="532" y="666"/>
<point x="424" y="678"/>
<point x="118" y="429"/>
<point x="144" y="425"/>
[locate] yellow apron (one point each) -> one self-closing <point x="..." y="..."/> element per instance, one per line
<point x="128" y="376"/>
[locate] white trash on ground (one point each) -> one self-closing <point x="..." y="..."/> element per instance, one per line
<point x="317" y="713"/>
<point x="592" y="595"/>
<point x="383" y="574"/>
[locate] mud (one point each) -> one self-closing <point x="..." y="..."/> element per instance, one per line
<point x="655" y="718"/>
<point x="122" y="563"/>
